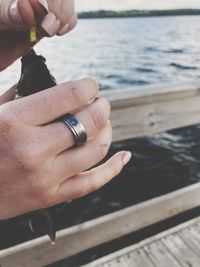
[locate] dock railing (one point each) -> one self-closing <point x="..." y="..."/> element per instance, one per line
<point x="135" y="113"/>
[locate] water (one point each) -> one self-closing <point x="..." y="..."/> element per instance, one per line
<point x="123" y="53"/>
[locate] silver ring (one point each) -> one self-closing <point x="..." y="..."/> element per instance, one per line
<point x="76" y="127"/>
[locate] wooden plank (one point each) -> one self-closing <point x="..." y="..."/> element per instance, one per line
<point x="132" y="250"/>
<point x="87" y="235"/>
<point x="153" y="110"/>
<point x="160" y="256"/>
<point x="181" y="251"/>
<point x="191" y="238"/>
<point x="118" y="262"/>
<point x="139" y="258"/>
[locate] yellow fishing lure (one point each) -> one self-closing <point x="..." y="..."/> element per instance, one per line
<point x="33" y="34"/>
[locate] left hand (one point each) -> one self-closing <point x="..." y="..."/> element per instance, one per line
<point x="17" y="17"/>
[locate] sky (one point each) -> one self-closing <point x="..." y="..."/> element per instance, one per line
<point x="85" y="5"/>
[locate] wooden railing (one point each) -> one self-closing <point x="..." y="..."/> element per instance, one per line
<point x="148" y="111"/>
<point x="134" y="113"/>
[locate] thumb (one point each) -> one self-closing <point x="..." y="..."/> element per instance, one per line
<point x="20" y="14"/>
<point x="8" y="95"/>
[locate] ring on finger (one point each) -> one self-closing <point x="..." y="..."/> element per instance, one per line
<point x="76" y="127"/>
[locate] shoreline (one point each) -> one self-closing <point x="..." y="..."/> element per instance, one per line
<point x="137" y="13"/>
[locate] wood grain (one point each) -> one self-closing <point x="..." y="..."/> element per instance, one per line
<point x="153" y="110"/>
<point x="163" y="249"/>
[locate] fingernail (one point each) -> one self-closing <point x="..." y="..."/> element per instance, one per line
<point x="44" y="4"/>
<point x="14" y="13"/>
<point x="50" y="24"/>
<point x="64" y="30"/>
<point x="126" y="157"/>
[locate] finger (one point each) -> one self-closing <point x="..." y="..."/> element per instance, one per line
<point x="63" y="9"/>
<point x="90" y="181"/>
<point x="8" y="95"/>
<point x="58" y="137"/>
<point x="26" y="12"/>
<point x="61" y="18"/>
<point x="29" y="11"/>
<point x="50" y="25"/>
<point x="69" y="25"/>
<point x="20" y="14"/>
<point x="48" y="105"/>
<point x="39" y="8"/>
<point x="77" y="160"/>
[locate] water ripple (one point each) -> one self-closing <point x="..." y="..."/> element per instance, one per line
<point x="182" y="67"/>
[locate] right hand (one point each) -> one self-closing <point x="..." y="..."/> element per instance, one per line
<point x="17" y="17"/>
<point x="39" y="166"/>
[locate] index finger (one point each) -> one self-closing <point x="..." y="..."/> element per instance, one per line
<point x="48" y="105"/>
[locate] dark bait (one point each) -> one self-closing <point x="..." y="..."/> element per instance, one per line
<point x="36" y="77"/>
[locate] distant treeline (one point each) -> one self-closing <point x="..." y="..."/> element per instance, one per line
<point x="138" y="13"/>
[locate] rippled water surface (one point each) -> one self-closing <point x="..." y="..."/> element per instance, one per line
<point x="124" y="53"/>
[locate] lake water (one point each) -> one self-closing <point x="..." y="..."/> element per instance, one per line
<point x="121" y="53"/>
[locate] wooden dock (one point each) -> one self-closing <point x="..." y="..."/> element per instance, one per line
<point x="177" y="247"/>
<point x="135" y="113"/>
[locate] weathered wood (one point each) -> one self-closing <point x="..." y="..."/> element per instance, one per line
<point x="191" y="238"/>
<point x="157" y="254"/>
<point x="181" y="251"/>
<point x="153" y="110"/>
<point x="160" y="256"/>
<point x="138" y="259"/>
<point x="87" y="235"/>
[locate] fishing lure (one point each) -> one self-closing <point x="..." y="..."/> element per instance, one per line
<point x="33" y="34"/>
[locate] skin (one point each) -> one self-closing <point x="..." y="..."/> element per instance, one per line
<point x="14" y="37"/>
<point x="39" y="165"/>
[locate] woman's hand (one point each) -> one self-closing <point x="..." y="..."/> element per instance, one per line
<point x="39" y="166"/>
<point x="17" y="17"/>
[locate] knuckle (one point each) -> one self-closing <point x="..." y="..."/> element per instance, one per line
<point x="76" y="94"/>
<point x="100" y="113"/>
<point x="105" y="106"/>
<point x="91" y="83"/>
<point x="97" y="119"/>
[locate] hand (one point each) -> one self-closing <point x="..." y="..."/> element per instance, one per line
<point x="39" y="166"/>
<point x="17" y="17"/>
